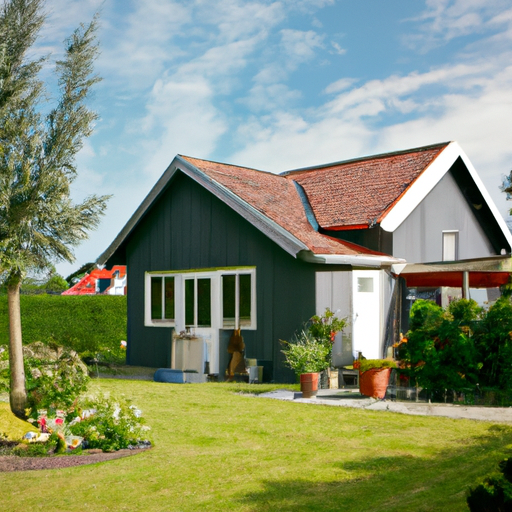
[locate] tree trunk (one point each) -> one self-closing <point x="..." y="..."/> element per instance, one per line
<point x="18" y="392"/>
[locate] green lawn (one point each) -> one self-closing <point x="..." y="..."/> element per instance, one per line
<point x="216" y="449"/>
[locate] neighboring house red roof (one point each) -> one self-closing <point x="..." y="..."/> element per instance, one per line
<point x="87" y="285"/>
<point x="358" y="193"/>
<point x="276" y="197"/>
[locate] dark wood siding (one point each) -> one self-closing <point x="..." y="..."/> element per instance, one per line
<point x="189" y="228"/>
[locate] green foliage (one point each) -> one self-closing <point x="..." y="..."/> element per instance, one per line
<point x="304" y="354"/>
<point x="56" y="284"/>
<point x="38" y="221"/>
<point x="494" y="345"/>
<point x="55" y="384"/>
<point x="4" y="370"/>
<point x="494" y="494"/>
<point x="325" y="327"/>
<point x="32" y="450"/>
<point x="87" y="324"/>
<point x="309" y="350"/>
<point x="459" y="347"/>
<point x="112" y="425"/>
<point x="440" y="353"/>
<point x="370" y="364"/>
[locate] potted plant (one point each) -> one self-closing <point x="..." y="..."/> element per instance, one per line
<point x="324" y="329"/>
<point x="374" y="376"/>
<point x="306" y="356"/>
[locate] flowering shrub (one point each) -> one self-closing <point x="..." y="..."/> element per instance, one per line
<point x="102" y="422"/>
<point x="108" y="423"/>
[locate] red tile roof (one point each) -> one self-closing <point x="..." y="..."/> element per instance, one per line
<point x="87" y="285"/>
<point x="275" y="197"/>
<point x="358" y="193"/>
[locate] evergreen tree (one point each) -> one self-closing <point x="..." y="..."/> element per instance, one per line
<point x="39" y="223"/>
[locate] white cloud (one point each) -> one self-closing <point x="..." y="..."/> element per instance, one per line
<point x="337" y="49"/>
<point x="396" y="113"/>
<point x="270" y="97"/>
<point x="181" y="119"/>
<point x="444" y="20"/>
<point x="299" y="46"/>
<point x="142" y="43"/>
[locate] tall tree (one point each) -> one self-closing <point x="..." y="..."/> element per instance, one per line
<point x="39" y="223"/>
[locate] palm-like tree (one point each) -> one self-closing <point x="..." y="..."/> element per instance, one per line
<point x="39" y="223"/>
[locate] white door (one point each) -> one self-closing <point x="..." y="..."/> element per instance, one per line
<point x="366" y="319"/>
<point x="197" y="313"/>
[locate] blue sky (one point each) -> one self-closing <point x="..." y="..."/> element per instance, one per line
<point x="277" y="85"/>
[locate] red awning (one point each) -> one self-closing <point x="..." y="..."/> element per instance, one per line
<point x="454" y="279"/>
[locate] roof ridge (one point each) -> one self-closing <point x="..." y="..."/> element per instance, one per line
<point x="188" y="158"/>
<point x="365" y="158"/>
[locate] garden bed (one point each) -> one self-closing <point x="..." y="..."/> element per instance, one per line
<point x="17" y="463"/>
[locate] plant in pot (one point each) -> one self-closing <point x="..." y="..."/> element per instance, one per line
<point x="374" y="376"/>
<point x="324" y="329"/>
<point x="306" y="356"/>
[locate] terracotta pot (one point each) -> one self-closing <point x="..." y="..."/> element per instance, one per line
<point x="309" y="384"/>
<point x="374" y="382"/>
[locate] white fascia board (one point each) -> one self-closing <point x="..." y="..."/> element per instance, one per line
<point x="494" y="209"/>
<point x="352" y="260"/>
<point x="421" y="187"/>
<point x="429" y="179"/>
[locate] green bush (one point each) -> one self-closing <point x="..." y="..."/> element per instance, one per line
<point x="304" y="354"/>
<point x="440" y="353"/>
<point x="87" y="324"/>
<point x="494" y="494"/>
<point x="494" y="344"/>
<point x="55" y="377"/>
<point x="112" y="424"/>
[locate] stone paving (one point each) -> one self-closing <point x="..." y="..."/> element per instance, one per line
<point x="344" y="398"/>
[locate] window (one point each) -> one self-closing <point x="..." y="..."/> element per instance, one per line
<point x="450" y="245"/>
<point x="198" y="301"/>
<point x="224" y="298"/>
<point x="236" y="300"/>
<point x="162" y="298"/>
<point x="365" y="284"/>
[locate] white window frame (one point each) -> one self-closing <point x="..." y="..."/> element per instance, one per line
<point x="455" y="234"/>
<point x="216" y="290"/>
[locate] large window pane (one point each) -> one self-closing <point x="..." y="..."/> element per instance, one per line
<point x="169" y="298"/>
<point x="245" y="299"/>
<point x="189" y="302"/>
<point x="228" y="300"/>
<point x="156" y="298"/>
<point x="204" y="303"/>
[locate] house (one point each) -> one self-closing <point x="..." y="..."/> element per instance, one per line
<point x="101" y="282"/>
<point x="215" y="247"/>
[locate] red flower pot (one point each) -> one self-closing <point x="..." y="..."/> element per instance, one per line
<point x="374" y="382"/>
<point x="309" y="384"/>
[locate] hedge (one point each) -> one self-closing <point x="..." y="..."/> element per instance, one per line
<point x="88" y="324"/>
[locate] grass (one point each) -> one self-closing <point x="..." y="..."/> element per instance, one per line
<point x="10" y="426"/>
<point x="219" y="449"/>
